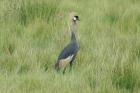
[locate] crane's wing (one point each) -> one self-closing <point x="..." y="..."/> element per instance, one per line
<point x="69" y="51"/>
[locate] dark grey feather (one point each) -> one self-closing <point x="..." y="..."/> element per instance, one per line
<point x="70" y="49"/>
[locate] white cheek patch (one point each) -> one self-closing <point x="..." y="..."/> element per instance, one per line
<point x="74" y="18"/>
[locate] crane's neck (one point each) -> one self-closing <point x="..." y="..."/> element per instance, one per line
<point x="73" y="29"/>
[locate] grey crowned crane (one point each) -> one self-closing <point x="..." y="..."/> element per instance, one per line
<point x="68" y="54"/>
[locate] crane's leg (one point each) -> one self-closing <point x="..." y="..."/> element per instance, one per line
<point x="71" y="64"/>
<point x="64" y="70"/>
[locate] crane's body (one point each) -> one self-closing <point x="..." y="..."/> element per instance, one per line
<point x="68" y="54"/>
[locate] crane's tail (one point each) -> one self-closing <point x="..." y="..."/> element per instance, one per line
<point x="56" y="66"/>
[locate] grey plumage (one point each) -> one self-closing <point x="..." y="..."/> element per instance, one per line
<point x="68" y="54"/>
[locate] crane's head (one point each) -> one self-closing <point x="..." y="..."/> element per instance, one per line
<point x="73" y="17"/>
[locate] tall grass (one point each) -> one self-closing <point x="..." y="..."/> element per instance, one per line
<point x="32" y="33"/>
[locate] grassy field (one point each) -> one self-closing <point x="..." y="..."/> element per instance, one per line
<point x="33" y="32"/>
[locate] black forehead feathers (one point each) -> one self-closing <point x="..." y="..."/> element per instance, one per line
<point x="76" y="17"/>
